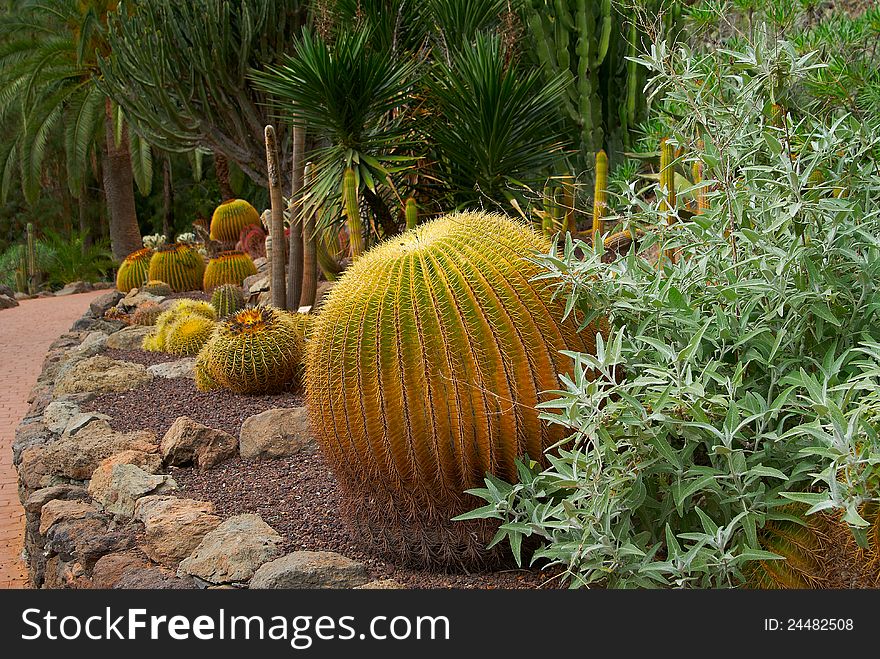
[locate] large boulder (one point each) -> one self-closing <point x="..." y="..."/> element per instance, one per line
<point x="30" y="435"/>
<point x="86" y="539"/>
<point x="188" y="442"/>
<point x="7" y="301"/>
<point x="134" y="299"/>
<point x="102" y="477"/>
<point x="180" y="368"/>
<point x="174" y="527"/>
<point x="102" y="375"/>
<point x="58" y="413"/>
<point x="311" y="569"/>
<point x="128" y="338"/>
<point x="101" y="304"/>
<point x="61" y="509"/>
<point x="233" y="552"/>
<point x="74" y="288"/>
<point x="126" y="485"/>
<point x="274" y="433"/>
<point x="76" y="457"/>
<point x="110" y="569"/>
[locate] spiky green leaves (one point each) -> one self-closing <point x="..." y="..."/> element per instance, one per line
<point x="227" y="299"/>
<point x="258" y="350"/>
<point x="428" y="359"/>
<point x="228" y="268"/>
<point x="230" y="218"/>
<point x="133" y="270"/>
<point x="179" y="265"/>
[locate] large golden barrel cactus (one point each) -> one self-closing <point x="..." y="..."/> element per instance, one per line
<point x="228" y="268"/>
<point x="133" y="270"/>
<point x="230" y="218"/>
<point x="423" y="372"/>
<point x="157" y="340"/>
<point x="187" y="336"/>
<point x="258" y="350"/>
<point x="178" y="265"/>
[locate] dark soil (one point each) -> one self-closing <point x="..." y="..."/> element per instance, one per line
<point x="297" y="496"/>
<point x="139" y="356"/>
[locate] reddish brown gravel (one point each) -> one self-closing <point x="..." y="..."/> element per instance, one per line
<point x="139" y="356"/>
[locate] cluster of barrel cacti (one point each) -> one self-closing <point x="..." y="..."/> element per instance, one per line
<point x="424" y="370"/>
<point x="134" y="270"/>
<point x="257" y="350"/>
<point x="231" y="267"/>
<point x="160" y="339"/>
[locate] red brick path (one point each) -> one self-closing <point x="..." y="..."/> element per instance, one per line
<point x="26" y="331"/>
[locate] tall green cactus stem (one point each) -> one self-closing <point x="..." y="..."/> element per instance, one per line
<point x="178" y="265"/>
<point x="310" y="250"/>
<point x="258" y="350"/>
<point x="423" y="372"/>
<point x="227" y="299"/>
<point x="134" y="270"/>
<point x="549" y="213"/>
<point x="352" y="212"/>
<point x="21" y="278"/>
<point x="230" y="267"/>
<point x="632" y="79"/>
<point x="412" y="213"/>
<point x="702" y="200"/>
<point x="667" y="174"/>
<point x="569" y="221"/>
<point x="31" y="259"/>
<point x="600" y="194"/>
<point x="230" y="218"/>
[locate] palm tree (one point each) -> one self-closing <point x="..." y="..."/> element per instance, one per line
<point x="48" y="70"/>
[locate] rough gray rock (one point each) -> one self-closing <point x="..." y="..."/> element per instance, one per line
<point x="74" y="288"/>
<point x="101" y="374"/>
<point x="58" y="413"/>
<point x="101" y="304"/>
<point x="174" y="527"/>
<point x="311" y="569"/>
<point x="234" y="551"/>
<point x="7" y="301"/>
<point x="128" y="338"/>
<point x="189" y="442"/>
<point x="30" y="435"/>
<point x="181" y="368"/>
<point x="151" y="578"/>
<point x="134" y="299"/>
<point x="274" y="433"/>
<point x="126" y="485"/>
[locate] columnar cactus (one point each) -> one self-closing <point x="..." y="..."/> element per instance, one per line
<point x="600" y="193"/>
<point x="352" y="213"/>
<point x="228" y="268"/>
<point x="187" y="335"/>
<point x="179" y="265"/>
<point x="424" y="370"/>
<point x="230" y="218"/>
<point x="667" y="173"/>
<point x="227" y="299"/>
<point x="412" y="213"/>
<point x="134" y="269"/>
<point x="257" y="350"/>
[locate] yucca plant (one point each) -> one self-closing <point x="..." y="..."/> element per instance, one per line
<point x="424" y="370"/>
<point x="134" y="270"/>
<point x="257" y="350"/>
<point x="495" y="124"/>
<point x="230" y="267"/>
<point x="179" y="265"/>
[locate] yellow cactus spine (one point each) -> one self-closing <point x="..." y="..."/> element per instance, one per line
<point x="179" y="265"/>
<point x="228" y="268"/>
<point x="352" y="212"/>
<point x="423" y="372"/>
<point x="227" y="299"/>
<point x="600" y="193"/>
<point x="187" y="335"/>
<point x="134" y="270"/>
<point x="157" y="341"/>
<point x="412" y="213"/>
<point x="258" y="350"/>
<point x="230" y="218"/>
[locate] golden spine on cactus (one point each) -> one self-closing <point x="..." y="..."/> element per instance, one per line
<point x="187" y="335"/>
<point x="230" y="267"/>
<point x="412" y="213"/>
<point x="352" y="212"/>
<point x="600" y="193"/>
<point x="179" y="265"/>
<point x="134" y="270"/>
<point x="157" y="340"/>
<point x="257" y="350"/>
<point x="230" y="218"/>
<point x="423" y="372"/>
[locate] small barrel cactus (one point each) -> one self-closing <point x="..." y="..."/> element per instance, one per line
<point x="258" y="350"/>
<point x="187" y="335"/>
<point x="156" y="287"/>
<point x="146" y="314"/>
<point x="424" y="371"/>
<point x="227" y="299"/>
<point x="230" y="218"/>
<point x="157" y="341"/>
<point x="134" y="270"/>
<point x="179" y="265"/>
<point x="228" y="268"/>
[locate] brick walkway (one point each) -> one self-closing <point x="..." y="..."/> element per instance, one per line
<point x="26" y="331"/>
